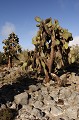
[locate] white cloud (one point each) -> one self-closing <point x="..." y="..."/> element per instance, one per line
<point x="75" y="41"/>
<point x="7" y="29"/>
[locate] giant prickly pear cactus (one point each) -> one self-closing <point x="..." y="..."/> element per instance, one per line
<point x="51" y="47"/>
<point x="11" y="48"/>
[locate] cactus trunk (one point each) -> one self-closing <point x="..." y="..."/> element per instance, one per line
<point x="52" y="53"/>
<point x="10" y="62"/>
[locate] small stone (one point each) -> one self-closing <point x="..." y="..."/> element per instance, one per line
<point x="44" y="90"/>
<point x="48" y="100"/>
<point x="14" y="106"/>
<point x="38" y="104"/>
<point x="21" y="99"/>
<point x="33" y="88"/>
<point x="71" y="112"/>
<point x="65" y="93"/>
<point x="3" y="106"/>
<point x="36" y="112"/>
<point x="56" y="111"/>
<point x="71" y="99"/>
<point x="51" y="82"/>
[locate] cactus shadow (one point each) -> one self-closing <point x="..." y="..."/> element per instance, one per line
<point x="74" y="67"/>
<point x="7" y="92"/>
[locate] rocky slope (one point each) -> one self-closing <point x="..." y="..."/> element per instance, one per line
<point x="31" y="99"/>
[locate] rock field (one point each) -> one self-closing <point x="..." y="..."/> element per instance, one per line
<point x="35" y="100"/>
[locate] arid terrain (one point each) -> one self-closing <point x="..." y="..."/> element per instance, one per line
<point x="23" y="97"/>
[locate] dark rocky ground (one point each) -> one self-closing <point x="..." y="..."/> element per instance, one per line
<point x="23" y="97"/>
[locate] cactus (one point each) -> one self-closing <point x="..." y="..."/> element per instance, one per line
<point x="11" y="48"/>
<point x="73" y="55"/>
<point x="51" y="46"/>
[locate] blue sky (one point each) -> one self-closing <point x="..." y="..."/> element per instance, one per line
<point x="18" y="16"/>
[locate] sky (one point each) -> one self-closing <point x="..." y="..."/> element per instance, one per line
<point x="18" y="16"/>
